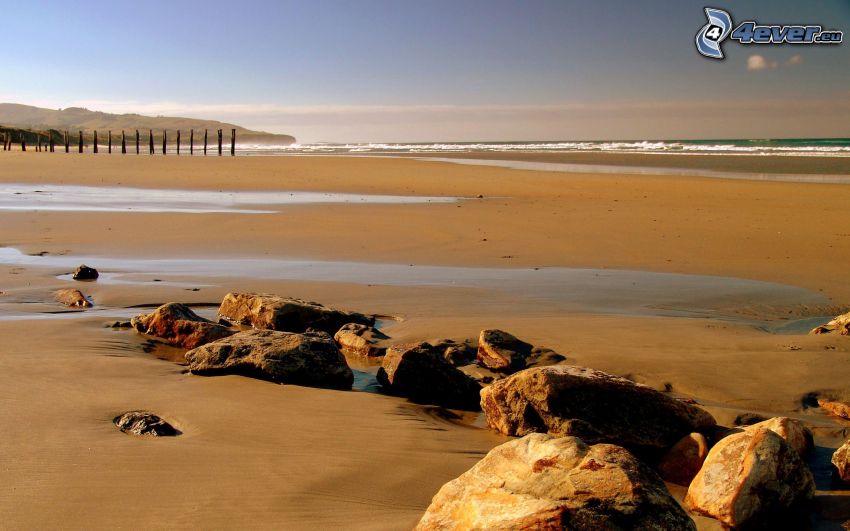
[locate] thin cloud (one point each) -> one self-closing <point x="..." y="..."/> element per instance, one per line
<point x="758" y="62"/>
<point x="794" y="60"/>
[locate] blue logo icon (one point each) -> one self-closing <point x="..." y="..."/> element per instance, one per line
<point x="712" y="34"/>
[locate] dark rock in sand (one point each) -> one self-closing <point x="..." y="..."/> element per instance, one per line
<point x="85" y="272"/>
<point x="270" y="312"/>
<point x="361" y="340"/>
<point x="747" y="419"/>
<point x="178" y="325"/>
<point x="144" y="423"/>
<point x="546" y="482"/>
<point x="120" y="324"/>
<point x="73" y="298"/>
<point x="309" y="359"/>
<point x="457" y="353"/>
<point x="592" y="405"/>
<point x="421" y="373"/>
<point x="501" y="351"/>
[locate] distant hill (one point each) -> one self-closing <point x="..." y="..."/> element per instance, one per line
<point x="77" y="118"/>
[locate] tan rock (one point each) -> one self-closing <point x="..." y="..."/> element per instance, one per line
<point x="840" y="324"/>
<point x="793" y="431"/>
<point x="547" y="482"/>
<point x="682" y="462"/>
<point x="503" y="352"/>
<point x="841" y="462"/>
<point x="751" y="477"/>
<point x="270" y="312"/>
<point x="835" y="408"/>
<point x="178" y="325"/>
<point x="72" y="298"/>
<point x="361" y="340"/>
<point x="589" y="404"/>
<point x="311" y="359"/>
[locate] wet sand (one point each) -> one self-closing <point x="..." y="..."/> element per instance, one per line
<point x="261" y="455"/>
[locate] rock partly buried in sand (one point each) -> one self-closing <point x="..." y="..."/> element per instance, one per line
<point x="144" y="423"/>
<point x="792" y="431"/>
<point x="270" y="312"/>
<point x="178" y="325"/>
<point x="421" y="373"/>
<point x="309" y="359"/>
<point x="835" y="408"/>
<point x="589" y="404"/>
<point x="501" y="351"/>
<point x="72" y="297"/>
<point x="841" y="463"/>
<point x="361" y="340"/>
<point x="682" y="462"/>
<point x="840" y="324"/>
<point x="458" y="353"/>
<point x="85" y="272"/>
<point x="547" y="482"/>
<point x="751" y="478"/>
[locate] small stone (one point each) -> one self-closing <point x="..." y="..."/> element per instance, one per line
<point x="85" y="272"/>
<point x="72" y="298"/>
<point x="144" y="423"/>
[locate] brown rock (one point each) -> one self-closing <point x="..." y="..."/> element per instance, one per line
<point x="180" y="326"/>
<point x="361" y="340"/>
<point x="682" y="462"/>
<point x="72" y="298"/>
<point x="840" y="324"/>
<point x="593" y="405"/>
<point x="793" y="431"/>
<point x="144" y="423"/>
<point x="835" y="408"/>
<point x="841" y="463"/>
<point x="752" y="477"/>
<point x="309" y="359"/>
<point x="547" y="482"/>
<point x="421" y="373"/>
<point x="270" y="312"/>
<point x="85" y="272"/>
<point x="501" y="351"/>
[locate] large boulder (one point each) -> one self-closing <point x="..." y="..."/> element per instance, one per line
<point x="682" y="462"/>
<point x="592" y="405"/>
<point x="284" y="314"/>
<point x="73" y="298"/>
<point x="793" y="431"/>
<point x="841" y="463"/>
<point x="84" y="272"/>
<point x="421" y="373"/>
<point x="178" y="325"/>
<point x="310" y="359"/>
<point x="144" y="423"/>
<point x="840" y="324"/>
<point x="547" y="482"/>
<point x="751" y="478"/>
<point x="361" y="340"/>
<point x="501" y="351"/>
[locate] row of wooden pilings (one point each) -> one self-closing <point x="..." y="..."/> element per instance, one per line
<point x="49" y="144"/>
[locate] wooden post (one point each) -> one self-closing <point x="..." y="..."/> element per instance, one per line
<point x="81" y="142"/>
<point x="137" y="141"/>
<point x="233" y="142"/>
<point x="191" y="142"/>
<point x="95" y="141"/>
<point x="109" y="141"/>
<point x="37" y="142"/>
<point x="52" y="142"/>
<point x="150" y="138"/>
<point x="219" y="141"/>
<point x="67" y="141"/>
<point x="205" y="142"/>
<point x="178" y="141"/>
<point x="123" y="143"/>
<point x="163" y="142"/>
<point x="23" y="142"/>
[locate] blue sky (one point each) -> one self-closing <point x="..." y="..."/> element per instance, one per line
<point x="371" y="70"/>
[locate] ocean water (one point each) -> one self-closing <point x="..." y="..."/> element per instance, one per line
<point x="795" y="146"/>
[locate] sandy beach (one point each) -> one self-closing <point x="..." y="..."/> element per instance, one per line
<point x="740" y="271"/>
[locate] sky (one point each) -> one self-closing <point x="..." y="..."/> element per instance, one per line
<point x="433" y="70"/>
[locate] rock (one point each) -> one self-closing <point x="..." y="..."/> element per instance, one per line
<point x="501" y="351"/>
<point x="840" y="324"/>
<point x="72" y="298"/>
<point x="592" y="405"/>
<point x="751" y="478"/>
<point x="360" y="340"/>
<point x="835" y="408"/>
<point x="421" y="373"/>
<point x="309" y="359"/>
<point x="841" y="463"/>
<point x="120" y="324"/>
<point x="180" y="326"/>
<point x="793" y="431"/>
<point x="85" y="272"/>
<point x="547" y="482"/>
<point x="270" y="312"/>
<point x="748" y="419"/>
<point x="682" y="462"/>
<point x="456" y="353"/>
<point x="144" y="423"/>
